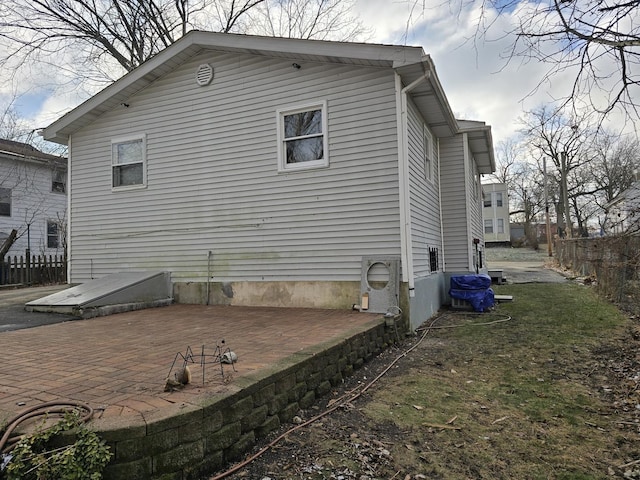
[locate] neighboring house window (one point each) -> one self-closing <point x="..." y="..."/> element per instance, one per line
<point x="302" y="137"/>
<point x="488" y="226"/>
<point x="59" y="181"/>
<point x="53" y="234"/>
<point x="428" y="153"/>
<point x="487" y="199"/>
<point x="128" y="159"/>
<point x="500" y="225"/>
<point x="5" y="202"/>
<point x="498" y="199"/>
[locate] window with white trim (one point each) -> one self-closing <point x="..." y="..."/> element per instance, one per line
<point x="498" y="199"/>
<point x="487" y="199"/>
<point x="302" y="137"/>
<point x="5" y="202"/>
<point x="428" y="153"/>
<point x="53" y="234"/>
<point x="500" y="225"/>
<point x="58" y="180"/>
<point x="128" y="162"/>
<point x="488" y="226"/>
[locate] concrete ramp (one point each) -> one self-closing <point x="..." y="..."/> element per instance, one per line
<point x="114" y="293"/>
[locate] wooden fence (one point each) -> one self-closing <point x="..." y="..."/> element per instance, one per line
<point x="33" y="270"/>
<point x="614" y="262"/>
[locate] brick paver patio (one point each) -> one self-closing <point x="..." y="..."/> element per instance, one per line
<point x="118" y="364"/>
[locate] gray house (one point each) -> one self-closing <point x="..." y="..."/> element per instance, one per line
<point x="277" y="172"/>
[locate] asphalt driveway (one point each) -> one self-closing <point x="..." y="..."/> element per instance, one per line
<point x="523" y="265"/>
<point x="13" y="316"/>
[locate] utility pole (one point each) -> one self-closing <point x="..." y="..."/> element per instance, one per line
<point x="565" y="195"/>
<point x="546" y="208"/>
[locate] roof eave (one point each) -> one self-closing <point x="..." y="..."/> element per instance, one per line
<point x="480" y="142"/>
<point x="196" y="41"/>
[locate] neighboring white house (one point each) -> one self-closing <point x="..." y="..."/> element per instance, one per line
<point x="33" y="199"/>
<point x="495" y="213"/>
<point x="623" y="212"/>
<point x="262" y="171"/>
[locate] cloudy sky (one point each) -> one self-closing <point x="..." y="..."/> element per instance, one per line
<point x="477" y="78"/>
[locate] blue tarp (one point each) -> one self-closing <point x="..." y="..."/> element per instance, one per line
<point x="470" y="282"/>
<point x="475" y="289"/>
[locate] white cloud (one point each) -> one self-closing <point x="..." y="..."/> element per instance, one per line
<point x="477" y="78"/>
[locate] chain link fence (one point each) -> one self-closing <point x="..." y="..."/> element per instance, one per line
<point x="613" y="262"/>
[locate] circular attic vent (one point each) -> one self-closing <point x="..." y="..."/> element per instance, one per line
<point x="204" y="74"/>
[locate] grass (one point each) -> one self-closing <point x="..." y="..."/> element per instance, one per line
<point x="514" y="396"/>
<point x="517" y="399"/>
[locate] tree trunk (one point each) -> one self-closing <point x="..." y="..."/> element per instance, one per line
<point x="10" y="240"/>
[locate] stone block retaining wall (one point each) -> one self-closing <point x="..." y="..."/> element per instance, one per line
<point x="195" y="441"/>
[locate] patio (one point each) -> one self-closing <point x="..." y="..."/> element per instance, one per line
<point x="118" y="365"/>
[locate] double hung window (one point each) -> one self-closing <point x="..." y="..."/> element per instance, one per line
<point x="53" y="234"/>
<point x="59" y="180"/>
<point x="302" y="137"/>
<point x="5" y="202"/>
<point x="128" y="160"/>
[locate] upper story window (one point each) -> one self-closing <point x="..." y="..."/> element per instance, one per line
<point x="428" y="153"/>
<point x="302" y="137"/>
<point x="488" y="226"/>
<point x="487" y="199"/>
<point x="128" y="160"/>
<point x="5" y="202"/>
<point x="59" y="181"/>
<point x="498" y="199"/>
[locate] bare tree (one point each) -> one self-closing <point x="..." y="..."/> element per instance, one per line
<point x="99" y="40"/>
<point x="595" y="42"/>
<point x="599" y="38"/>
<point x="317" y="19"/>
<point x="564" y="141"/>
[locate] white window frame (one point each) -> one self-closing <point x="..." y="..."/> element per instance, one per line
<point x="427" y="142"/>
<point x="499" y="199"/>
<point x="500" y="225"/>
<point x="143" y="160"/>
<point x="59" y="177"/>
<point x="8" y="195"/>
<point x="57" y="235"/>
<point x="488" y="222"/>
<point x="283" y="166"/>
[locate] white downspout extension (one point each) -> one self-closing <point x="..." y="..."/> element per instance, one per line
<point x="403" y="161"/>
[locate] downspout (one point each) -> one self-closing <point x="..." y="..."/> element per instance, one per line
<point x="444" y="268"/>
<point x="468" y="194"/>
<point x="69" y="190"/>
<point x="403" y="164"/>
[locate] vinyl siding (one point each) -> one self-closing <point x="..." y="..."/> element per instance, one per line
<point x="424" y="197"/>
<point x="474" y="199"/>
<point x="455" y="208"/>
<point x="33" y="203"/>
<point x="213" y="183"/>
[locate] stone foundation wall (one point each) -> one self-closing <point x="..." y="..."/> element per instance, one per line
<point x="196" y="441"/>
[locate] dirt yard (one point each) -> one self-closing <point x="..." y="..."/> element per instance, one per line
<point x="545" y="387"/>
